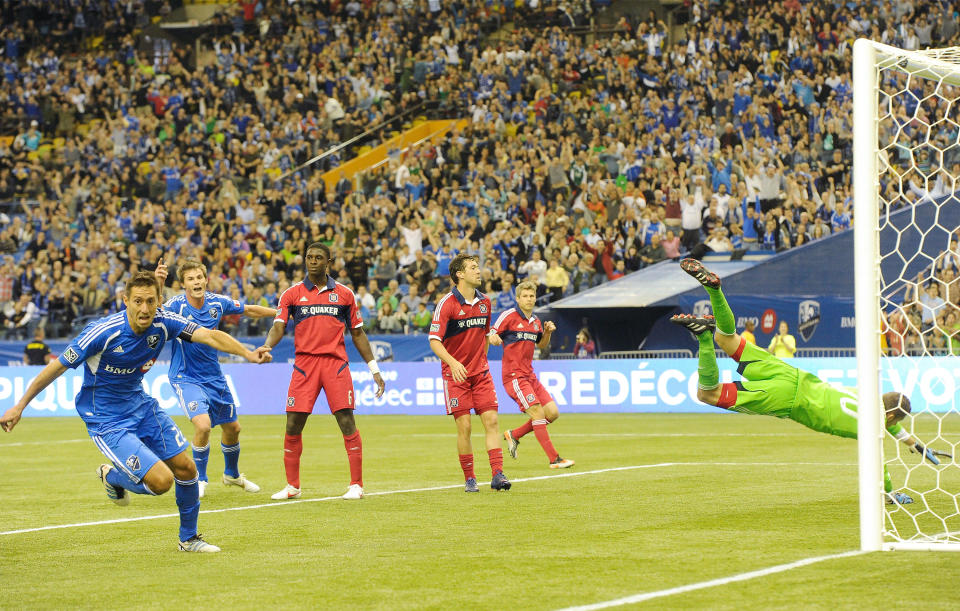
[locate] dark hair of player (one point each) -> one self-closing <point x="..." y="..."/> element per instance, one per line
<point x="190" y="264"/>
<point x="459" y="263"/>
<point x="894" y="401"/>
<point x="319" y="246"/>
<point x="142" y="279"/>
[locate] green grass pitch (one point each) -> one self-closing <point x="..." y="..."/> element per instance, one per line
<point x="705" y="497"/>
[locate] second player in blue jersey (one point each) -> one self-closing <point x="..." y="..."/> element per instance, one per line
<point x="195" y="373"/>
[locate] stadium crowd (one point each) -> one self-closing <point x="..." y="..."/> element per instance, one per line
<point x="586" y="156"/>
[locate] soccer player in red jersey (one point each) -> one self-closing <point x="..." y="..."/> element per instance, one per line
<point x="321" y="309"/>
<point x="459" y="336"/>
<point x="521" y="331"/>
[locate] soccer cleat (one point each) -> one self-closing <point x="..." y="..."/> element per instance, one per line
<point x="700" y="273"/>
<point x="202" y="488"/>
<point x="500" y="481"/>
<point x="512" y="444"/>
<point x="288" y="492"/>
<point x="898" y="498"/>
<point x="562" y="463"/>
<point x="115" y="493"/>
<point x="695" y="325"/>
<point x="471" y="485"/>
<point x="197" y="544"/>
<point x="354" y="492"/>
<point x="241" y="481"/>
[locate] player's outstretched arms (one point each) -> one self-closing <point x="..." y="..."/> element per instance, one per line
<point x="225" y="343"/>
<point x="51" y="372"/>
<point x="255" y="311"/>
<point x="928" y="453"/>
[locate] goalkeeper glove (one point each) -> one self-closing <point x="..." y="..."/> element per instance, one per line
<point x="931" y="454"/>
<point x="898" y="498"/>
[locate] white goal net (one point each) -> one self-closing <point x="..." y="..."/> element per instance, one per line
<point x="907" y="224"/>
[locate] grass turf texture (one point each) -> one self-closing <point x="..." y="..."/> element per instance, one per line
<point x="750" y="493"/>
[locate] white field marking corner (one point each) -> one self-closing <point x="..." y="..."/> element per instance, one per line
<point x="780" y="568"/>
<point x="424" y="489"/>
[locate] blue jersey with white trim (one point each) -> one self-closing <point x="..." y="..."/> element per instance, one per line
<point x="115" y="360"/>
<point x="198" y="362"/>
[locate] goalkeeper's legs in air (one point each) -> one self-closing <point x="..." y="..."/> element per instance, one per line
<point x="726" y="334"/>
<point x="709" y="389"/>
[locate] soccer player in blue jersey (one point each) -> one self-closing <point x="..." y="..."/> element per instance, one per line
<point x="196" y="376"/>
<point x="148" y="452"/>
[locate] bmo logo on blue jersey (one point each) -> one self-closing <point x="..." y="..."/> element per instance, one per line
<point x="119" y="370"/>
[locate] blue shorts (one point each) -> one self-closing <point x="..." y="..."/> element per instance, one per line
<point x="218" y="403"/>
<point x="137" y="442"/>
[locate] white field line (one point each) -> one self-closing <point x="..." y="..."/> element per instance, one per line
<point x="16" y="444"/>
<point x="424" y="489"/>
<point x="780" y="568"/>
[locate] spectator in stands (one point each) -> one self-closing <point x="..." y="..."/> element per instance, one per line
<point x="585" y="347"/>
<point x="37" y="352"/>
<point x="747" y="333"/>
<point x="783" y="345"/>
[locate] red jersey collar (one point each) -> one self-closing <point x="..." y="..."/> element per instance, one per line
<point x="331" y="284"/>
<point x="476" y="297"/>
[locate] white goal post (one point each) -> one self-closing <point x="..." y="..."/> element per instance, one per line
<point x="906" y="105"/>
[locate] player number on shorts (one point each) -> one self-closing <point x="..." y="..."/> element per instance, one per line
<point x="178" y="436"/>
<point x="349" y="397"/>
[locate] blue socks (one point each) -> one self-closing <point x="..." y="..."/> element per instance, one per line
<point x="116" y="477"/>
<point x="231" y="457"/>
<point x="188" y="502"/>
<point x="200" y="457"/>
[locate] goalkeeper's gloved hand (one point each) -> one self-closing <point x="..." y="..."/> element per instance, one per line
<point x="898" y="498"/>
<point x="931" y="454"/>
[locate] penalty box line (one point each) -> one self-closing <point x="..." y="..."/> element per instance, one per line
<point x="780" y="568"/>
<point x="410" y="491"/>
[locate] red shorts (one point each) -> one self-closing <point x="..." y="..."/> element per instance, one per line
<point x="310" y="374"/>
<point x="526" y="391"/>
<point x="476" y="393"/>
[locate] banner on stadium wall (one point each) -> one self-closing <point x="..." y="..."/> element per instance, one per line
<point x="613" y="386"/>
<point x="821" y="322"/>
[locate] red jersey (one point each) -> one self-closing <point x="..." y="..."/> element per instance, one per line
<point x="462" y="327"/>
<point x="320" y="315"/>
<point x="520" y="336"/>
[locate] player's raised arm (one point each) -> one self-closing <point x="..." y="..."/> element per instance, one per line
<point x="51" y="372"/>
<point x="161" y="272"/>
<point x="548" y="328"/>
<point x="225" y="343"/>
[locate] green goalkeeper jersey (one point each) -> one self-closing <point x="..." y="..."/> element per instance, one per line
<point x="828" y="409"/>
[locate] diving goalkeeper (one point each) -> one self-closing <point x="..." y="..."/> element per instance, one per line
<point x="773" y="388"/>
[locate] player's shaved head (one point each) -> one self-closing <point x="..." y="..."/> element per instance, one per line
<point x="319" y="246"/>
<point x="142" y="279"/>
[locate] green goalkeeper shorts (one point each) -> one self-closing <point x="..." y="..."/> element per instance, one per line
<point x="769" y="386"/>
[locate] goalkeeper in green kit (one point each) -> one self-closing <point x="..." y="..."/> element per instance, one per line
<point x="771" y="387"/>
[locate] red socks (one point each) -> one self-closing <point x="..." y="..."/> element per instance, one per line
<point x="354" y="446"/>
<point x="292" y="449"/>
<point x="522" y="430"/>
<point x="496" y="460"/>
<point x="540" y="430"/>
<point x="466" y="463"/>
